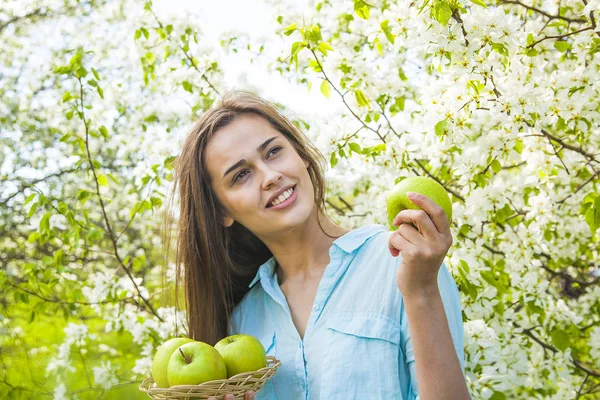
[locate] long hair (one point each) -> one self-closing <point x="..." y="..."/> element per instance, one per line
<point x="215" y="264"/>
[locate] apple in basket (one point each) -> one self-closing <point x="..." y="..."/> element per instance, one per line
<point x="195" y="363"/>
<point x="242" y="353"/>
<point x="163" y="354"/>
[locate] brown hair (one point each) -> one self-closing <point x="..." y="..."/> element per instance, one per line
<point x="219" y="262"/>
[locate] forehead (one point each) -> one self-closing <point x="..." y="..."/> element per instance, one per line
<point x="235" y="141"/>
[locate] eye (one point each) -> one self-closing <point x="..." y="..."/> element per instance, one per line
<point x="241" y="173"/>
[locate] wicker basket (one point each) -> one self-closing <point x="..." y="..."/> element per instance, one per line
<point x="237" y="385"/>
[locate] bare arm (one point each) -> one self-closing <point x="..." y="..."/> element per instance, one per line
<point x="439" y="374"/>
<point x="423" y="238"/>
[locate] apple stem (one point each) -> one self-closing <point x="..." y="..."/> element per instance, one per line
<point x="187" y="361"/>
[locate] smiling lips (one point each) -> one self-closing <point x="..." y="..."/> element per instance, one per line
<point x="285" y="199"/>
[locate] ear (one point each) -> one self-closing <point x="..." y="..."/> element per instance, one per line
<point x="228" y="221"/>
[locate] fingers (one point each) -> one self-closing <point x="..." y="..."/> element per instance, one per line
<point x="436" y="213"/>
<point x="420" y="219"/>
<point x="398" y="243"/>
<point x="247" y="396"/>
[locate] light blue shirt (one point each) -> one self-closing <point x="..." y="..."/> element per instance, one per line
<point x="357" y="343"/>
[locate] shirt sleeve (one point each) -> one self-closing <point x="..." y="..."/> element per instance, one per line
<point x="451" y="301"/>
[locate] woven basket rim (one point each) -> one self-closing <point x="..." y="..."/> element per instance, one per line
<point x="272" y="365"/>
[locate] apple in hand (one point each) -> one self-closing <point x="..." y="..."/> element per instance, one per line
<point x="397" y="199"/>
<point x="161" y="359"/>
<point x="195" y="363"/>
<point x="242" y="353"/>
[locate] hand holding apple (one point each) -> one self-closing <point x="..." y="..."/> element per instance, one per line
<point x="423" y="249"/>
<point x="397" y="199"/>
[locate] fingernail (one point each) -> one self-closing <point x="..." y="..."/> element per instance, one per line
<point x="251" y="394"/>
<point x="413" y="195"/>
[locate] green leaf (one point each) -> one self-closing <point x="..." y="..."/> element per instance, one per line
<point x="29" y="198"/>
<point x="378" y="46"/>
<point x="187" y="86"/>
<point x="58" y="256"/>
<point x="560" y="339"/>
<point x="498" y="396"/>
<point x="66" y="97"/>
<point x="496" y="166"/>
<point x="592" y="211"/>
<point x="355" y="147"/>
<point x="45" y="222"/>
<point x="562" y="46"/>
<point x="362" y="9"/>
<point x="82" y="196"/>
<point x="289" y="30"/>
<point x="442" y="12"/>
<point x="32" y="210"/>
<point x="135" y="209"/>
<point x="479" y="3"/>
<point x="168" y="163"/>
<point x="296" y="47"/>
<point x="387" y="30"/>
<point x="361" y="99"/>
<point x="518" y="146"/>
<point x="324" y="47"/>
<point x="530" y="39"/>
<point x="155" y="201"/>
<point x="333" y="159"/>
<point x="313" y="33"/>
<point x="440" y="127"/>
<point x="325" y="88"/>
<point x="102" y="180"/>
<point x="104" y="131"/>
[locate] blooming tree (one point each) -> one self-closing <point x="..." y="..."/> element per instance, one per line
<point x="497" y="101"/>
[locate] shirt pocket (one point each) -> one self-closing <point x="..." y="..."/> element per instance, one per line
<point x="360" y="359"/>
<point x="269" y="342"/>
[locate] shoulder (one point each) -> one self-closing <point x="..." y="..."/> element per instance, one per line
<point x="250" y="303"/>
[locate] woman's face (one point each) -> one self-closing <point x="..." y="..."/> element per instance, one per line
<point x="249" y="162"/>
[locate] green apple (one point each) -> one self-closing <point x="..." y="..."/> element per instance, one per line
<point x="397" y="199"/>
<point x="195" y="363"/>
<point x="161" y="359"/>
<point x="242" y="353"/>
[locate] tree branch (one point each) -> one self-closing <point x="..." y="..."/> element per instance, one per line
<point x="108" y="226"/>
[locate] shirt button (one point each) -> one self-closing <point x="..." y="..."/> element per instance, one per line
<point x="329" y="272"/>
<point x="334" y="249"/>
<point x="316" y="307"/>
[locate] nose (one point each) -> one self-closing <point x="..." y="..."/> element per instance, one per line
<point x="271" y="177"/>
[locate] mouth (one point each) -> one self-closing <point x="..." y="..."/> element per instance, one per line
<point x="283" y="204"/>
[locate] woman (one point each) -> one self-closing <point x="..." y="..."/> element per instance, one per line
<point x="347" y="318"/>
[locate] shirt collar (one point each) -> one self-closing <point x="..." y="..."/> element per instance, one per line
<point x="347" y="242"/>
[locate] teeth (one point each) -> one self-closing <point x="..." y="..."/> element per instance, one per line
<point x="283" y="197"/>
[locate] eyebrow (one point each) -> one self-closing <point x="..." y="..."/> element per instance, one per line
<point x="243" y="160"/>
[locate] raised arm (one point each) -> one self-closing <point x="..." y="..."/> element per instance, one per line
<point x="438" y="370"/>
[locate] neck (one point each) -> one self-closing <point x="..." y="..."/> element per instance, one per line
<point x="303" y="253"/>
